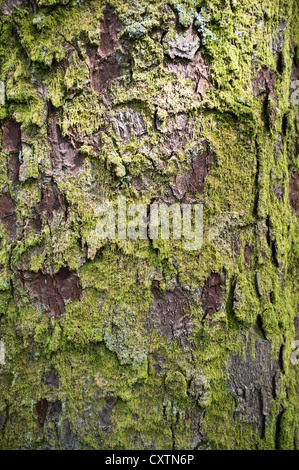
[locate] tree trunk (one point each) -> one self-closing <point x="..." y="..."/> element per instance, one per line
<point x="117" y="343"/>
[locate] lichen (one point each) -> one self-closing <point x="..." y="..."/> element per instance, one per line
<point x="123" y="383"/>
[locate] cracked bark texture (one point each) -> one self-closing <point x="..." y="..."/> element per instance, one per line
<point x="122" y="344"/>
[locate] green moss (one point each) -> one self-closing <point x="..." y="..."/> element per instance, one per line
<point x="105" y="348"/>
<point x="46" y="34"/>
<point x="83" y="115"/>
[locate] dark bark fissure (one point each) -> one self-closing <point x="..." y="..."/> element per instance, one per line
<point x="278" y="428"/>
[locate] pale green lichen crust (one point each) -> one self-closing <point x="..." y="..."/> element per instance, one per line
<point x="100" y="99"/>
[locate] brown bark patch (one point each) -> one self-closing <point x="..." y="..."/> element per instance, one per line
<point x="248" y="250"/>
<point x="183" y="45"/>
<point x="294" y="191"/>
<point x="171" y="316"/>
<point x="192" y="182"/>
<point x="8" y="215"/>
<point x="47" y="411"/>
<point x="51" y="200"/>
<point x="110" y="30"/>
<point x="64" y="157"/>
<point x="184" y="59"/>
<point x="211" y="296"/>
<point x="68" y="284"/>
<point x="263" y="88"/>
<point x="14" y="168"/>
<point x="104" y="70"/>
<point x="41" y="409"/>
<point x="263" y="85"/>
<point x="53" y="291"/>
<point x="105" y="63"/>
<point x="11" y="136"/>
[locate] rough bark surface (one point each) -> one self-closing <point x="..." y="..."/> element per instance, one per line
<point x="123" y="344"/>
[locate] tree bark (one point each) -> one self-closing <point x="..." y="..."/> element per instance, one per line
<point x="143" y="344"/>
